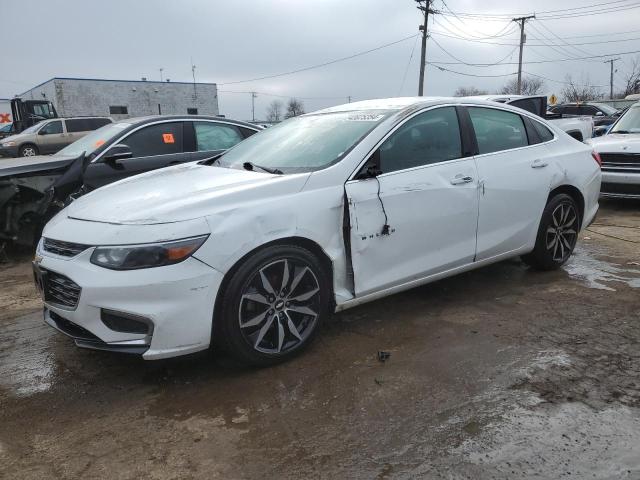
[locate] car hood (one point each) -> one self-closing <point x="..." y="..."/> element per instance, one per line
<point x="24" y="165"/>
<point x="17" y="137"/>
<point x="617" y="143"/>
<point x="180" y="193"/>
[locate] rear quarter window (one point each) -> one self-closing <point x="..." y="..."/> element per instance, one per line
<point x="545" y="134"/>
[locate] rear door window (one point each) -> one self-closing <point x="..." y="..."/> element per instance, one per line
<point x="215" y="136"/>
<point x="77" y="125"/>
<point x="159" y="139"/>
<point x="497" y="130"/>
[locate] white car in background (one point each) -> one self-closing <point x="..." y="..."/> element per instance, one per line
<point x="253" y="250"/>
<point x="620" y="153"/>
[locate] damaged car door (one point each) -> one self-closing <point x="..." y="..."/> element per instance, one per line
<point x="413" y="206"/>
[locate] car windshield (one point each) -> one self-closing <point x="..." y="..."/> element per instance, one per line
<point x="6" y="128"/>
<point x="305" y="144"/>
<point x="90" y="143"/>
<point x="629" y="122"/>
<point x="33" y="128"/>
<point x="609" y="110"/>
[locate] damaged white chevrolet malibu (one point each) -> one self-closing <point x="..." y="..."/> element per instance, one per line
<point x="254" y="249"/>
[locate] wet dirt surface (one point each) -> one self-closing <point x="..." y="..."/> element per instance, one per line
<point x="498" y="373"/>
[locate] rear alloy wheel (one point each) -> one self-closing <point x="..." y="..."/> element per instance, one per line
<point x="557" y="234"/>
<point x="273" y="305"/>
<point x="28" y="151"/>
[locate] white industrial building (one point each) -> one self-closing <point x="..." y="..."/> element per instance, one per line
<point x="126" y="98"/>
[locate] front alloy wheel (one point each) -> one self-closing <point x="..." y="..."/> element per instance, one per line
<point x="279" y="306"/>
<point x="273" y="305"/>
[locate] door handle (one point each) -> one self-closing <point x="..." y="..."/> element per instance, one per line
<point x="539" y="163"/>
<point x="461" y="179"/>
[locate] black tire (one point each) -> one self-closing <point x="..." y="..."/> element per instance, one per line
<point x="283" y="312"/>
<point x="557" y="234"/>
<point x="28" y="150"/>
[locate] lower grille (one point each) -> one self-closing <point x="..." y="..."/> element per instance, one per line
<point x="64" y="249"/>
<point x="60" y="290"/>
<point x="71" y="329"/>
<point x="620" y="189"/>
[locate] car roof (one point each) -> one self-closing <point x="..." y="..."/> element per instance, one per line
<point x="410" y="103"/>
<point x="154" y="118"/>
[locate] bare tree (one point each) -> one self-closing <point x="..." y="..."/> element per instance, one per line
<point x="530" y="86"/>
<point x="631" y="80"/>
<point x="274" y="111"/>
<point x="580" y="92"/>
<point x="294" y="108"/>
<point x="469" y="92"/>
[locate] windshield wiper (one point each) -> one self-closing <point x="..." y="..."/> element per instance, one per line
<point x="621" y="131"/>
<point x="251" y="166"/>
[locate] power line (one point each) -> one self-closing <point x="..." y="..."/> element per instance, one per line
<point x="462" y="62"/>
<point x="500" y="33"/>
<point x="404" y="77"/>
<point x="458" y="37"/>
<point x="319" y="65"/>
<point x="470" y="74"/>
<point x="579" y="50"/>
<point x="560" y="81"/>
<point x="558" y="13"/>
<point x="280" y="96"/>
<point x="540" y="61"/>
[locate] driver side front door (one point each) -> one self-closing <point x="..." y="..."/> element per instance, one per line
<point x="427" y="196"/>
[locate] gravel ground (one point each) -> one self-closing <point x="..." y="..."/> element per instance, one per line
<point x="498" y="373"/>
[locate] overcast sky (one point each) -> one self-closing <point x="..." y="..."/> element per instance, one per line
<point x="235" y="40"/>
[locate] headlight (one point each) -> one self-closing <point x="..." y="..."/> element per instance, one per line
<point x="9" y="144"/>
<point x="132" y="257"/>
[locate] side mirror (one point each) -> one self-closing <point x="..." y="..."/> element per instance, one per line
<point x="42" y="131"/>
<point x="600" y="131"/>
<point x="599" y="114"/>
<point x="117" y="152"/>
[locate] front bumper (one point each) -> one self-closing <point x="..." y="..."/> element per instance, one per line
<point x="177" y="301"/>
<point x="620" y="184"/>
<point x="8" y="151"/>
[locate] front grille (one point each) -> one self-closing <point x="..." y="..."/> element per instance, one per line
<point x="60" y="290"/>
<point x="620" y="189"/>
<point x="620" y="162"/>
<point x="65" y="249"/>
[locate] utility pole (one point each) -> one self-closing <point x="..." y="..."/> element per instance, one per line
<point x="254" y="95"/>
<point x="161" y="69"/>
<point x="193" y="73"/>
<point x="349" y="99"/>
<point x="611" y="77"/>
<point x="523" y="39"/>
<point x="425" y="7"/>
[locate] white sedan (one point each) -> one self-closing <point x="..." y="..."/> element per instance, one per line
<point x="254" y="249"/>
